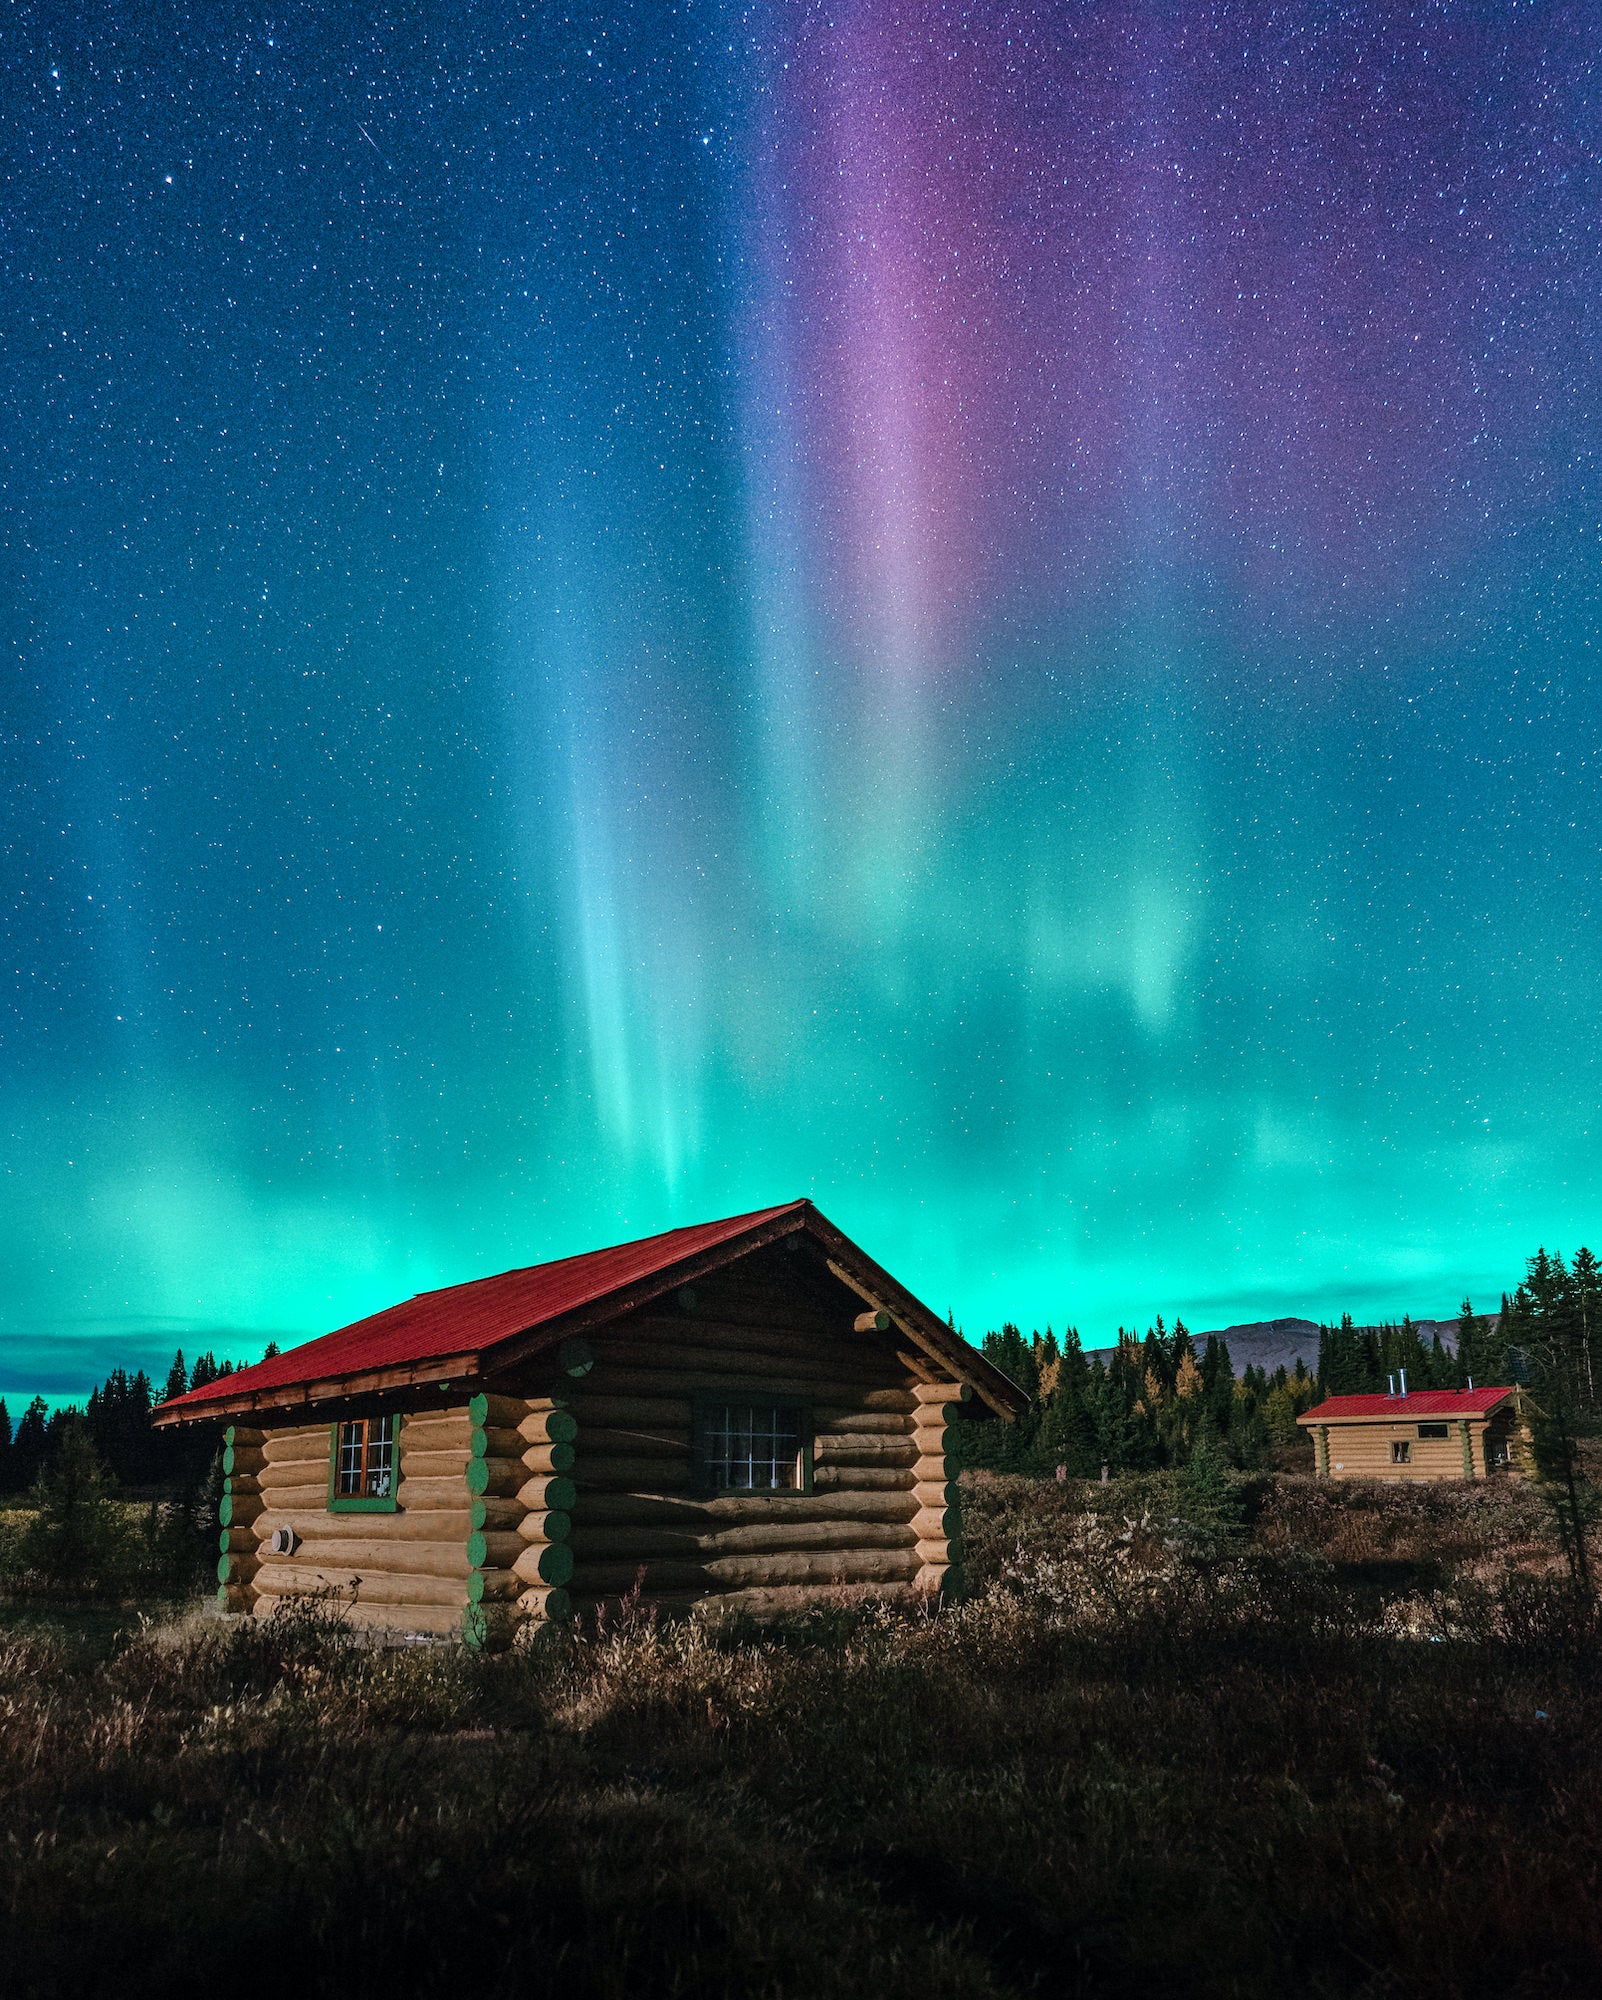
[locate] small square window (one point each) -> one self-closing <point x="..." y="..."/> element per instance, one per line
<point x="1401" y="1451"/>
<point x="366" y="1465"/>
<point x="1433" y="1431"/>
<point x="752" y="1446"/>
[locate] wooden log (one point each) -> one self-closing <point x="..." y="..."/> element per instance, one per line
<point x="490" y="1510"/>
<point x="409" y="1524"/>
<point x="494" y="1443"/>
<point x="499" y="1476"/>
<point x="834" y="1421"/>
<point x="238" y="1510"/>
<point x="296" y="1446"/>
<point x="668" y="1380"/>
<point x="366" y="1558"/>
<point x="932" y="1577"/>
<point x="448" y="1490"/>
<point x="241" y="1482"/>
<point x="861" y="1479"/>
<point x="672" y="1412"/>
<point x="488" y="1407"/>
<point x="547" y="1427"/>
<point x="552" y="1526"/>
<point x="936" y="1492"/>
<point x="857" y="1449"/>
<point x="636" y="1543"/>
<point x="317" y="1525"/>
<point x="240" y="1459"/>
<point x="536" y="1495"/>
<point x="741" y="1364"/>
<point x="665" y="1510"/>
<point x="304" y="1580"/>
<point x="433" y="1464"/>
<point x="762" y="1570"/>
<point x="943" y="1392"/>
<point x="936" y="1524"/>
<point x="437" y="1430"/>
<point x="493" y="1551"/>
<point x="608" y="1442"/>
<point x="295" y="1499"/>
<point x="872" y="1322"/>
<point x="493" y="1586"/>
<point x="545" y="1562"/>
<point x="748" y="1332"/>
<point x="245" y="1434"/>
<point x="623" y="1475"/>
<point x="236" y="1541"/>
<point x="547" y="1602"/>
<point x="544" y="1459"/>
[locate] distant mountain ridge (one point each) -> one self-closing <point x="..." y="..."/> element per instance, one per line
<point x="1279" y="1343"/>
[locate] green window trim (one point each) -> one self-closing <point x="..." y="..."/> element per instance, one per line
<point x="704" y="1411"/>
<point x="362" y="1503"/>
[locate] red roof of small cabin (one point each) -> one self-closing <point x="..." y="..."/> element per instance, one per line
<point x="463" y="1319"/>
<point x="1417" y="1403"/>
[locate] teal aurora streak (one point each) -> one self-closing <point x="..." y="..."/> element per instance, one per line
<point x="621" y="614"/>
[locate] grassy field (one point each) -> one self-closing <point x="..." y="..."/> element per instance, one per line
<point x="1360" y="1755"/>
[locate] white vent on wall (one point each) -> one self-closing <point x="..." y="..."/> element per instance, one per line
<point x="283" y="1541"/>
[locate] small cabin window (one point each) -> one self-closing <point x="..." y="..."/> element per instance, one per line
<point x="753" y="1447"/>
<point x="366" y="1465"/>
<point x="1401" y="1451"/>
<point x="1434" y="1430"/>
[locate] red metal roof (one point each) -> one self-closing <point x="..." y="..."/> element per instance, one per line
<point x="1417" y="1403"/>
<point x="466" y="1319"/>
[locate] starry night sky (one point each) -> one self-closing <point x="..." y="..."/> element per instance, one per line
<point x="987" y="613"/>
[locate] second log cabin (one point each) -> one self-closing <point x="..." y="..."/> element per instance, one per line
<point x="750" y="1410"/>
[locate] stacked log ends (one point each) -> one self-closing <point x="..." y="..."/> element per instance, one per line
<point x="936" y="1522"/>
<point x="521" y="1455"/>
<point x="237" y="1515"/>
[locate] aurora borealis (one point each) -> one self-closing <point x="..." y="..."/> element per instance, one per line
<point x="989" y="614"/>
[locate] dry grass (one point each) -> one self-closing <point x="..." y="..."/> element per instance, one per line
<point x="1115" y="1771"/>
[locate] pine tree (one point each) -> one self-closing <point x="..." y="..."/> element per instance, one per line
<point x="177" y="1378"/>
<point x="29" y="1444"/>
<point x="5" y="1447"/>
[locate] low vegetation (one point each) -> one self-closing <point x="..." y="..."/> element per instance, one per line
<point x="1190" y="1734"/>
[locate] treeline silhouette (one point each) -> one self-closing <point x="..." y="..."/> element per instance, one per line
<point x="117" y="1421"/>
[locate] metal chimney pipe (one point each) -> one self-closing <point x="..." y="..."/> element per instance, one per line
<point x="1404" y="1381"/>
<point x="1390" y="1385"/>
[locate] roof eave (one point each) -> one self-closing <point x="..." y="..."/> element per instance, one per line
<point x="325" y="1389"/>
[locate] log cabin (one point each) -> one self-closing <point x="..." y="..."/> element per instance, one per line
<point x="748" y="1410"/>
<point x="1425" y="1434"/>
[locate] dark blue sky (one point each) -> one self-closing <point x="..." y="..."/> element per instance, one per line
<point x="613" y="615"/>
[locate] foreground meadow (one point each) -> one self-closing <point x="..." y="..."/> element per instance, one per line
<point x="1355" y="1750"/>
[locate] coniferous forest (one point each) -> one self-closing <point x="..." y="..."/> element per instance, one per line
<point x="1144" y="1407"/>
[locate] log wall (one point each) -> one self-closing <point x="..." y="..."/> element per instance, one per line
<point x="409" y="1569"/>
<point x="1363" y="1451"/>
<point x="880" y="1518"/>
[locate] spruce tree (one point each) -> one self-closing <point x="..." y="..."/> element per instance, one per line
<point x="1585" y="1275"/>
<point x="177" y="1378"/>
<point x="5" y="1447"/>
<point x="29" y="1444"/>
<point x="79" y="1536"/>
<point x="1209" y="1504"/>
